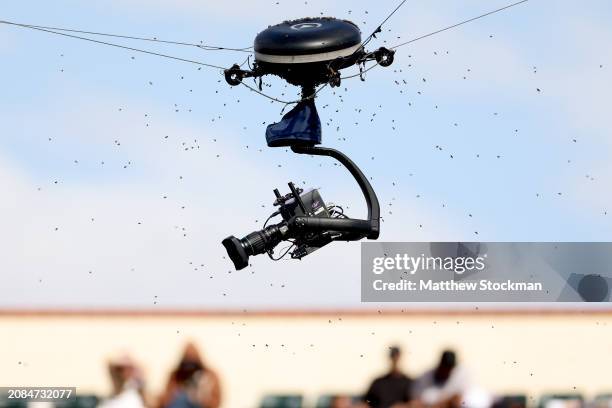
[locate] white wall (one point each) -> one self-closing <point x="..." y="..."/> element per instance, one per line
<point x="311" y="353"/>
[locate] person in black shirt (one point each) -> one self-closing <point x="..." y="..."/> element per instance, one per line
<point x="392" y="389"/>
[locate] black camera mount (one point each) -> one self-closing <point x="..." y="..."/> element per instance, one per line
<point x="307" y="53"/>
<point x="308" y="223"/>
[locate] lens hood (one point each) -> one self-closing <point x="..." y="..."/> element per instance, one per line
<point x="236" y="252"/>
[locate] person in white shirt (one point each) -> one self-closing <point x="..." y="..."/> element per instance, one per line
<point x="444" y="386"/>
<point x="128" y="386"/>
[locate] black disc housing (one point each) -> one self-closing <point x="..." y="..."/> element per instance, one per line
<point x="300" y="51"/>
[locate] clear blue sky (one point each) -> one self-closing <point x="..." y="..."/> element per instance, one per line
<point x="122" y="172"/>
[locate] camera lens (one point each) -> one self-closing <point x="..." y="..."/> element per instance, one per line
<point x="236" y="252"/>
<point x="255" y="243"/>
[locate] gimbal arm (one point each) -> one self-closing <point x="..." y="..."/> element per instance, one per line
<point x="356" y="229"/>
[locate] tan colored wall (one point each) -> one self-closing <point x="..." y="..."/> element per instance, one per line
<point x="312" y="354"/>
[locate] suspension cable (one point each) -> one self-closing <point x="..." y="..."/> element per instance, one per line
<point x="459" y="24"/>
<point x="439" y="31"/>
<point x="272" y="98"/>
<point x="129" y="37"/>
<point x="116" y="45"/>
<point x="379" y="27"/>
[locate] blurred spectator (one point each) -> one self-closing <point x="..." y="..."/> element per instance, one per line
<point x="392" y="389"/>
<point x="346" y="401"/>
<point x="561" y="403"/>
<point x="603" y="401"/>
<point x="192" y="384"/>
<point x="341" y="401"/>
<point x="127" y="383"/>
<point x="444" y="386"/>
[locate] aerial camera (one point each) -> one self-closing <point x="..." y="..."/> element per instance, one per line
<point x="309" y="52"/>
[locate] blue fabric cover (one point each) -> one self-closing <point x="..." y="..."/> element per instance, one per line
<point x="300" y="126"/>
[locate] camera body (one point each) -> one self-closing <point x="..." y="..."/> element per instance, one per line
<point x="294" y="206"/>
<point x="313" y="203"/>
<point x="313" y="206"/>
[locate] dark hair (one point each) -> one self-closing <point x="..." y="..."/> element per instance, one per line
<point x="448" y="359"/>
<point x="186" y="370"/>
<point x="394" y="351"/>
